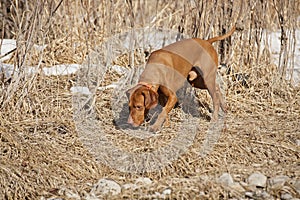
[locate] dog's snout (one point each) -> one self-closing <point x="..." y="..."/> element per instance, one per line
<point x="130" y="120"/>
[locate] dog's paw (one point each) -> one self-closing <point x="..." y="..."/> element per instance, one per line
<point x="214" y="118"/>
<point x="154" y="128"/>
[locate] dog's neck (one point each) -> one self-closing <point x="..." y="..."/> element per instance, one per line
<point x="147" y="85"/>
<point x="153" y="87"/>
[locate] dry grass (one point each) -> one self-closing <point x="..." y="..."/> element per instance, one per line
<point x="40" y="150"/>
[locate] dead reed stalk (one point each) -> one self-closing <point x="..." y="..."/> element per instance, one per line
<point x="39" y="146"/>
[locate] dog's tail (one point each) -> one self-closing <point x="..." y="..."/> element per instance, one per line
<point x="218" y="38"/>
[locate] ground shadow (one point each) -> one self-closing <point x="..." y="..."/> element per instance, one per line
<point x="187" y="101"/>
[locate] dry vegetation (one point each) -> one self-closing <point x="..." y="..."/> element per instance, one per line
<point x="41" y="154"/>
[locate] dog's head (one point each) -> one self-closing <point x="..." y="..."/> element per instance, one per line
<point x="141" y="100"/>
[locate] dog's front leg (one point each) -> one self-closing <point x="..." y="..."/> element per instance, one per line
<point x="172" y="99"/>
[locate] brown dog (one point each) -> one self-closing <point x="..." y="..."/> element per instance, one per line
<point x="167" y="69"/>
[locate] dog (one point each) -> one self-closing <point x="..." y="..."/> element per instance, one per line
<point x="167" y="69"/>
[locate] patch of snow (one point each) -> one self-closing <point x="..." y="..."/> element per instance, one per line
<point x="64" y="69"/>
<point x="7" y="69"/>
<point x="113" y="85"/>
<point x="273" y="40"/>
<point x="31" y="70"/>
<point x="57" y="70"/>
<point x="7" y="46"/>
<point x="80" y="90"/>
<point x="119" y="69"/>
<point x="39" y="47"/>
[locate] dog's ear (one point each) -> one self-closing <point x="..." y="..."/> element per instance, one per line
<point x="130" y="91"/>
<point x="151" y="98"/>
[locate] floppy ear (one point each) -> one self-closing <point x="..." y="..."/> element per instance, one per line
<point x="130" y="91"/>
<point x="151" y="98"/>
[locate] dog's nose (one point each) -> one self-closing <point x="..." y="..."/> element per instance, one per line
<point x="130" y="121"/>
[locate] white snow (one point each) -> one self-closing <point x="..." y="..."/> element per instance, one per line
<point x="119" y="69"/>
<point x="7" y="69"/>
<point x="80" y="90"/>
<point x="7" y="46"/>
<point x="56" y="70"/>
<point x="113" y="85"/>
<point x="273" y="39"/>
<point x="64" y="69"/>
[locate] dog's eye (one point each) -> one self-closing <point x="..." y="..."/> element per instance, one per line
<point x="138" y="107"/>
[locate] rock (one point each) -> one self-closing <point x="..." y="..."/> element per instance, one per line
<point x="69" y="193"/>
<point x="249" y="194"/>
<point x="131" y="186"/>
<point x="266" y="195"/>
<point x="297" y="186"/>
<point x="164" y="194"/>
<point x="88" y="196"/>
<point x="72" y="195"/>
<point x="258" y="194"/>
<point x="202" y="195"/>
<point x="140" y="182"/>
<point x="143" y="181"/>
<point x="277" y="182"/>
<point x="257" y="179"/>
<point x="226" y="179"/>
<point x="286" y="196"/>
<point x="167" y="191"/>
<point x="105" y="187"/>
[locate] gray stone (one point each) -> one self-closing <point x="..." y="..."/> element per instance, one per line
<point x="286" y="196"/>
<point x="297" y="185"/>
<point x="143" y="181"/>
<point x="202" y="195"/>
<point x="277" y="182"/>
<point x="249" y="194"/>
<point x="226" y="179"/>
<point x="257" y="179"/>
<point x="105" y="187"/>
<point x="131" y="186"/>
<point x="266" y="195"/>
<point x="139" y="182"/>
<point x="167" y="191"/>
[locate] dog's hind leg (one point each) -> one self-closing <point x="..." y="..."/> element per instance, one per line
<point x="214" y="92"/>
<point x="222" y="100"/>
